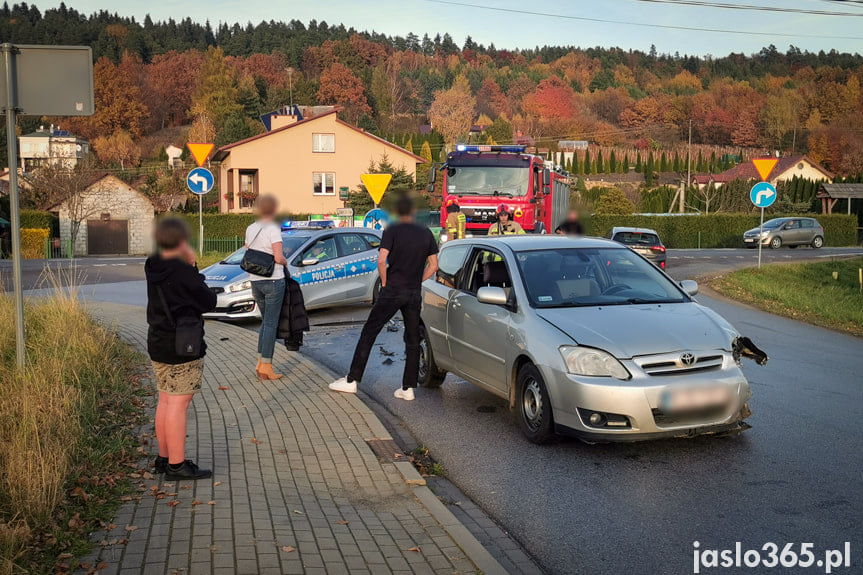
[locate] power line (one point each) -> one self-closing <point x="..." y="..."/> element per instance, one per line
<point x="726" y="5"/>
<point x="642" y="24"/>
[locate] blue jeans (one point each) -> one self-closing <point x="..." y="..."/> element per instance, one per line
<point x="268" y="295"/>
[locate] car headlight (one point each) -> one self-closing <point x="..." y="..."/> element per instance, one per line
<point x="239" y="286"/>
<point x="765" y="233"/>
<point x="593" y="362"/>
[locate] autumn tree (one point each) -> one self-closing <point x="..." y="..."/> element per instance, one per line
<point x="170" y="84"/>
<point x="614" y="202"/>
<point x="390" y="92"/>
<point x="490" y="99"/>
<point x="452" y="111"/>
<point x="118" y="149"/>
<point x="118" y="102"/>
<point x="216" y="92"/>
<point x="339" y="86"/>
<point x="165" y="190"/>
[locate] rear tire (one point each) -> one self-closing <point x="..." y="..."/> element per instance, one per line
<point x="776" y="243"/>
<point x="376" y="291"/>
<point x="534" y="405"/>
<point x="429" y="375"/>
<point x="817" y="242"/>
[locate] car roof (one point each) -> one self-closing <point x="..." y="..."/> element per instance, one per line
<point x="634" y="230"/>
<point x="310" y="232"/>
<point x="528" y="242"/>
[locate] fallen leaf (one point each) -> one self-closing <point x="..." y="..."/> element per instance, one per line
<point x="173" y="503"/>
<point x="196" y="502"/>
<point x="172" y="494"/>
<point x="135" y="475"/>
<point x="414" y="549"/>
<point x="186" y="487"/>
<point x="298" y="512"/>
<point x="84" y="565"/>
<point x="64" y="556"/>
<point x="223" y="388"/>
<point x="217" y="483"/>
<point x="79" y="492"/>
<point x="211" y="502"/>
<point x="131" y="527"/>
<point x="101" y="566"/>
<point x="147" y="475"/>
<point x="288" y="549"/>
<point x="342" y="522"/>
<point x="398" y="455"/>
<point x="255" y="440"/>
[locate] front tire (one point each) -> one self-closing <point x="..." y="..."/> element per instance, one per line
<point x="817" y="242"/>
<point x="776" y="243"/>
<point x="376" y="291"/>
<point x="537" y="421"/>
<point x="429" y="374"/>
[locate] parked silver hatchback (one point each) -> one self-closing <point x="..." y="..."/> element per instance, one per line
<point x="584" y="337"/>
<point x="791" y="232"/>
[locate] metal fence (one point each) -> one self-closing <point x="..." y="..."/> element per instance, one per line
<point x="220" y="245"/>
<point x="57" y="248"/>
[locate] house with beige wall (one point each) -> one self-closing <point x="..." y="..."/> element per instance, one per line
<point x="785" y="169"/>
<point x="303" y="162"/>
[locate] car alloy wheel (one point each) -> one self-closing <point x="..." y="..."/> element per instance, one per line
<point x="817" y="242"/>
<point x="776" y="243"/>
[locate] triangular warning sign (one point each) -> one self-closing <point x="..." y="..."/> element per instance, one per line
<point x="376" y="184"/>
<point x="764" y="166"/>
<point x="200" y="152"/>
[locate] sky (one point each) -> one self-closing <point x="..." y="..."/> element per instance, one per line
<point x="560" y="25"/>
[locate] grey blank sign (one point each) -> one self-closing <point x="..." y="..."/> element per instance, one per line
<point x="52" y="81"/>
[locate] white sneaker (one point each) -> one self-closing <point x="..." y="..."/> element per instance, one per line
<point x="344" y="385"/>
<point x="406" y="394"/>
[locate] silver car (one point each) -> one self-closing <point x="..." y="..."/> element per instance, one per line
<point x="583" y="337"/>
<point x="334" y="267"/>
<point x="791" y="232"/>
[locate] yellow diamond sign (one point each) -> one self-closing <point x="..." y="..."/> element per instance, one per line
<point x="376" y="184"/>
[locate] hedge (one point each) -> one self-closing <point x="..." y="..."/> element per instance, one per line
<point x="37" y="220"/>
<point x="33" y="243"/>
<point x="718" y="230"/>
<point x="227" y="226"/>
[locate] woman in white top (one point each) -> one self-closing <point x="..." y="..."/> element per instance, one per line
<point x="266" y="236"/>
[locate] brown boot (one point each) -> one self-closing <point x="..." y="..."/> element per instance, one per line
<point x="266" y="372"/>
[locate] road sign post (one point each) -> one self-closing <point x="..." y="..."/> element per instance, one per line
<point x="762" y="194"/>
<point x="38" y="81"/>
<point x="200" y="181"/>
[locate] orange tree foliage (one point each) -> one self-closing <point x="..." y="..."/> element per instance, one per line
<point x="452" y="111"/>
<point x="341" y="87"/>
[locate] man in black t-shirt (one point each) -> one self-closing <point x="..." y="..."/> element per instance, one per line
<point x="411" y="252"/>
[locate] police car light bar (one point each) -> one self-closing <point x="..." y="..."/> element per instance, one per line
<point x="466" y="148"/>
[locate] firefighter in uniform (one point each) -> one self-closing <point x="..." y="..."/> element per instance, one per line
<point x="505" y="226"/>
<point x="456" y="223"/>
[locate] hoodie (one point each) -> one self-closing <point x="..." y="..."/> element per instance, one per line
<point x="186" y="295"/>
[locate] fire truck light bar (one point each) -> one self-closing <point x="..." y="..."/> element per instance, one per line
<point x="465" y="148"/>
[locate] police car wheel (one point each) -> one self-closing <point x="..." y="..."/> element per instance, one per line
<point x="429" y="374"/>
<point x="376" y="291"/>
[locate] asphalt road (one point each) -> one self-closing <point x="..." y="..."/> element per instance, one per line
<point x="637" y="508"/>
<point x="80" y="271"/>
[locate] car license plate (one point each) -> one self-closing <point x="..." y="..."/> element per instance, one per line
<point x="748" y="240"/>
<point x="682" y="399"/>
<point x="643" y="251"/>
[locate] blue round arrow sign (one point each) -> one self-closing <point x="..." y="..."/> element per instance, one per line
<point x="376" y="219"/>
<point x="200" y="181"/>
<point x="763" y="194"/>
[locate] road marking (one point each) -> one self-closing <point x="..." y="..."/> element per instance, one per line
<point x="99" y="265"/>
<point x="689" y="257"/>
<point x="741" y="257"/>
<point x="118" y="264"/>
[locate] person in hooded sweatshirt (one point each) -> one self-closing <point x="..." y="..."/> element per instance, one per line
<point x="173" y="281"/>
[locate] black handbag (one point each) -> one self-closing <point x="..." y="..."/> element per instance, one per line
<point x="257" y="262"/>
<point x="188" y="332"/>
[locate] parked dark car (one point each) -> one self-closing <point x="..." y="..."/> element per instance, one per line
<point x="791" y="232"/>
<point x="642" y="241"/>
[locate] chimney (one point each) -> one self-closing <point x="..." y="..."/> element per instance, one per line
<point x="282" y="120"/>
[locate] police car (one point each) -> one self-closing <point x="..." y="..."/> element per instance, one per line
<point x="333" y="266"/>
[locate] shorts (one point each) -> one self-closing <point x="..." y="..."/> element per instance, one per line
<point x="181" y="378"/>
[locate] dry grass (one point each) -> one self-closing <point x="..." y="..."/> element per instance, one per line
<point x="47" y="410"/>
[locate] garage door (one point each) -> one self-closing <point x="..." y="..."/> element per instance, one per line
<point x="107" y="237"/>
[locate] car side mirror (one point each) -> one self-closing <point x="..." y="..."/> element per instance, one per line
<point x="546" y="177"/>
<point x="432" y="174"/>
<point x="491" y="295"/>
<point x="310" y="262"/>
<point x="689" y="286"/>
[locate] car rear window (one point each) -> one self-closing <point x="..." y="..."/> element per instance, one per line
<point x="637" y="238"/>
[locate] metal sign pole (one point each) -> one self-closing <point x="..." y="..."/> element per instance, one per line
<point x="760" y="231"/>
<point x="200" y="226"/>
<point x="15" y="212"/>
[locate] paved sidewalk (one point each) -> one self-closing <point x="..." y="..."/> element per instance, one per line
<point x="296" y="486"/>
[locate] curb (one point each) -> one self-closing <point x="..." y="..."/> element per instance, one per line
<point x="473" y="549"/>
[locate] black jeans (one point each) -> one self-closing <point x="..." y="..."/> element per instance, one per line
<point x="389" y="302"/>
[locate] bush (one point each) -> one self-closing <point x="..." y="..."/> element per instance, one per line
<point x="614" y="201"/>
<point x="227" y="226"/>
<point x="718" y="230"/>
<point x="33" y="243"/>
<point x="37" y="220"/>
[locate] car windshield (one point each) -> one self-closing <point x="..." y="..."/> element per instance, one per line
<point x="637" y="238"/>
<point x="289" y="246"/>
<point x="487" y="181"/>
<point x="575" y="277"/>
<point x="774" y="223"/>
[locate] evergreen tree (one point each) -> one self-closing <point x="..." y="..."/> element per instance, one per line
<point x="624" y="165"/>
<point x="577" y="164"/>
<point x="675" y="166"/>
<point x="663" y="163"/>
<point x="712" y="167"/>
<point x="638" y="167"/>
<point x="649" y="169"/>
<point x="588" y="164"/>
<point x="569" y="165"/>
<point x="612" y="162"/>
<point x="600" y="163"/>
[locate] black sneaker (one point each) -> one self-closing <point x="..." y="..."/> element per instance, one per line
<point x="187" y="470"/>
<point x="161" y="465"/>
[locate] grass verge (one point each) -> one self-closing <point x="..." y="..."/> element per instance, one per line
<point x="66" y="433"/>
<point x="209" y="258"/>
<point x="807" y="292"/>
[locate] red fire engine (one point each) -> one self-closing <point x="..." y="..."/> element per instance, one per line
<point x="481" y="178"/>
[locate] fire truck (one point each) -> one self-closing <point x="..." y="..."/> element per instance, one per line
<point x="483" y="177"/>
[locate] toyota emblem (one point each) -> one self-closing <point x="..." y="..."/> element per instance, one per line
<point x="687" y="358"/>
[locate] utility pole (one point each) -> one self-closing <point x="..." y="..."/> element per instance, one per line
<point x="688" y="170"/>
<point x="291" y="86"/>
